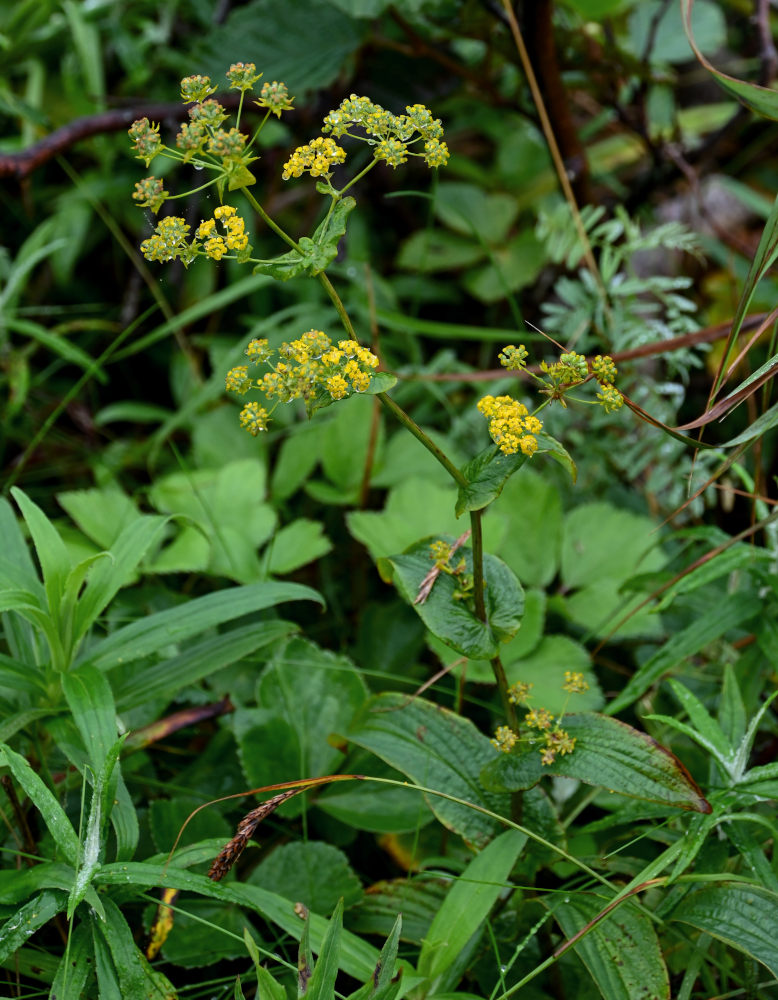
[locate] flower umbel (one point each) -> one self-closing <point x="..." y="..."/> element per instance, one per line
<point x="511" y="426"/>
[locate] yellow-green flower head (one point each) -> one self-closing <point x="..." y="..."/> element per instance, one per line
<point x="227" y="145"/>
<point x="209" y="113"/>
<point x="317" y="157"/>
<point x="421" y="118"/>
<point x="254" y="418"/>
<point x="513" y="358"/>
<point x="391" y="150"/>
<point x="337" y="387"/>
<point x="196" y="88"/>
<point x="215" y="248"/>
<point x="539" y="718"/>
<point x="146" y="140"/>
<point x="242" y="76"/>
<point x="511" y="427"/>
<point x="573" y="367"/>
<point x="558" y="741"/>
<point x="169" y="241"/>
<point x="575" y="682"/>
<point x="150" y="193"/>
<point x="440" y="551"/>
<point x="258" y="351"/>
<point x="610" y="398"/>
<point x="191" y="139"/>
<point x="317" y="342"/>
<point x="519" y="693"/>
<point x="604" y="369"/>
<point x="238" y="380"/>
<point x="504" y="739"/>
<point x="436" y="153"/>
<point x="275" y="97"/>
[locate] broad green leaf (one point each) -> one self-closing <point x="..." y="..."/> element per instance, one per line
<point x="534" y="503"/>
<point x="317" y="252"/>
<point x="101" y="514"/>
<point x="418" y="899"/>
<point x="545" y="667"/>
<point x="90" y="700"/>
<point x="148" y="635"/>
<point x="613" y="755"/>
<point x="469" y="210"/>
<point x="740" y="915"/>
<point x="513" y="772"/>
<point x="738" y="609"/>
<point x="314" y="873"/>
<point x="204" y="933"/>
<point x="468" y="903"/>
<point x="621" y="952"/>
<point x="321" y="985"/>
<point x="430" y="250"/>
<point x="486" y="476"/>
<point x="168" y="816"/>
<point x="281" y="38"/>
<point x="436" y="748"/>
<point x="51" y="811"/>
<point x="346" y="442"/>
<point x="602" y="542"/>
<point x="289" y="736"/>
<point x="297" y="544"/>
<point x="28" y="919"/>
<point x="512" y="266"/>
<point x="448" y="617"/>
<point x="374" y="807"/>
<point x="52" y="554"/>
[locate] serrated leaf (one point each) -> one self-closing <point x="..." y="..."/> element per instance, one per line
<point x="615" y="756"/>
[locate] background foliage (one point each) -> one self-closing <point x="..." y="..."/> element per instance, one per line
<point x="242" y="631"/>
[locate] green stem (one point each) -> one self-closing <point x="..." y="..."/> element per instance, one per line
<point x="420" y="436"/>
<point x="477" y="543"/>
<point x="269" y="222"/>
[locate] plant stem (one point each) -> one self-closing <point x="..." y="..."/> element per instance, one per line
<point x="273" y="225"/>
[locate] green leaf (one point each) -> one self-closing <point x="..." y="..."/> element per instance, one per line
<point x="51" y="811"/>
<point x="52" y="554"/>
<point x="148" y="635"/>
<point x="512" y="266"/>
<point x="740" y="915"/>
<point x="289" y="736"/>
<point x="131" y="968"/>
<point x="738" y="609"/>
<point x="321" y="985"/>
<point x="513" y="772"/>
<point x="613" y="755"/>
<point x="297" y="544"/>
<point x="430" y="250"/>
<point x="602" y="542"/>
<point x="15" y="559"/>
<point x="201" y="659"/>
<point x="535" y="504"/>
<point x="346" y="442"/>
<point x="75" y="965"/>
<point x="436" y="748"/>
<point x="280" y="38"/>
<point x="544" y="668"/>
<point x="761" y="100"/>
<point x="27" y="920"/>
<point x="206" y="932"/>
<point x="469" y="210"/>
<point x="321" y="398"/>
<point x="317" y="252"/>
<point x="90" y="699"/>
<point x="468" y="903"/>
<point x="486" y="476"/>
<point x="268" y="988"/>
<point x="314" y="873"/>
<point x="702" y="721"/>
<point x="357" y="957"/>
<point x="621" y="952"/>
<point x="449" y="618"/>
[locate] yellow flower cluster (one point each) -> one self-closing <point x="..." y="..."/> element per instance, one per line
<point x="511" y="426"/>
<point x="318" y="158"/>
<point x="555" y="739"/>
<point x="305" y="368"/>
<point x="504" y="739"/>
<point x="170" y="239"/>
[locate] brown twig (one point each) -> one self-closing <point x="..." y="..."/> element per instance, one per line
<point x="22" y="164"/>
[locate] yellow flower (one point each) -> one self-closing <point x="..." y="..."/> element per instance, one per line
<point x="337" y="387"/>
<point x="575" y="682"/>
<point x="504" y="739"/>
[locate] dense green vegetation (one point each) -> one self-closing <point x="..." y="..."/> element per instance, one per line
<point x="444" y="667"/>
